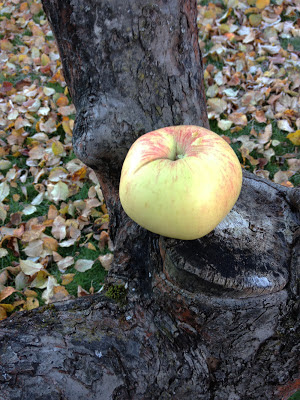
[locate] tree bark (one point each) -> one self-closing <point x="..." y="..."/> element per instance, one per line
<point x="214" y="318"/>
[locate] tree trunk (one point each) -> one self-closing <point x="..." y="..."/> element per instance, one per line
<point x="213" y="318"/>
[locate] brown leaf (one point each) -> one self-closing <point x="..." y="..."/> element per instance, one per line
<point x="50" y="243"/>
<point x="6" y="87"/>
<point x="106" y="260"/>
<point x="103" y="241"/>
<point x="81" y="292"/>
<point x="33" y="234"/>
<point x="62" y="101"/>
<point x="3" y="277"/>
<point x="238" y="118"/>
<point x="67" y="110"/>
<point x="7" y="291"/>
<point x="260" y="116"/>
<point x="3" y="313"/>
<point x="60" y="293"/>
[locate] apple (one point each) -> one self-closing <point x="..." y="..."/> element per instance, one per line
<point x="180" y="181"/>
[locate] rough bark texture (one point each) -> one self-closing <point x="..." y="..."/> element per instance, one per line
<point x="209" y="319"/>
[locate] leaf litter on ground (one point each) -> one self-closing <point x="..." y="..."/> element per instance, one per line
<point x="251" y="54"/>
<point x="54" y="239"/>
<point x="51" y="205"/>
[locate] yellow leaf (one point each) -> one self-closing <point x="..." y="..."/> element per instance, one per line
<point x="8" y="307"/>
<point x="3" y="314"/>
<point x="41" y="280"/>
<point x="67" y="278"/>
<point x="262" y="3"/>
<point x="294" y="137"/>
<point x="57" y="148"/>
<point x="30" y="293"/>
<point x="80" y="173"/>
<point x="67" y="128"/>
<point x="90" y="246"/>
<point x="255" y="19"/>
<point x="45" y="60"/>
<point x="31" y="303"/>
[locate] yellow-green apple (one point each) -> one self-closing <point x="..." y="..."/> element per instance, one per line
<point x="180" y="181"/>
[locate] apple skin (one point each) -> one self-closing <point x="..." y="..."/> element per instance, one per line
<point x="180" y="181"/>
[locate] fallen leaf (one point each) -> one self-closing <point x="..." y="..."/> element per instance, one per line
<point x="224" y="124"/>
<point x="264" y="137"/>
<point x="7" y="307"/>
<point x="81" y="292"/>
<point x="83" y="265"/>
<point x="3" y="252"/>
<point x="67" y="110"/>
<point x="3" y="313"/>
<point x="59" y="191"/>
<point x="255" y="19"/>
<point x="6" y="292"/>
<point x="49" y="291"/>
<point x="62" y="100"/>
<point x="21" y="281"/>
<point x="29" y="267"/>
<point x="216" y="105"/>
<point x="59" y="228"/>
<point x="260" y="116"/>
<point x="58" y="148"/>
<point x="282" y="176"/>
<point x="106" y="260"/>
<point x="31" y="303"/>
<point x="67" y="278"/>
<point x="65" y="263"/>
<point x="28" y="210"/>
<point x="294" y="164"/>
<point x="262" y="4"/>
<point x="4" y="190"/>
<point x="60" y="293"/>
<point x="238" y="118"/>
<point x="34" y="248"/>
<point x="3" y="213"/>
<point x="41" y="280"/>
<point x="67" y="243"/>
<point x="50" y="243"/>
<point x="294" y="137"/>
<point x="30" y="293"/>
<point x="3" y="278"/>
<point x="284" y="125"/>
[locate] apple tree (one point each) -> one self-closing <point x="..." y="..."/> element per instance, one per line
<point x="213" y="318"/>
